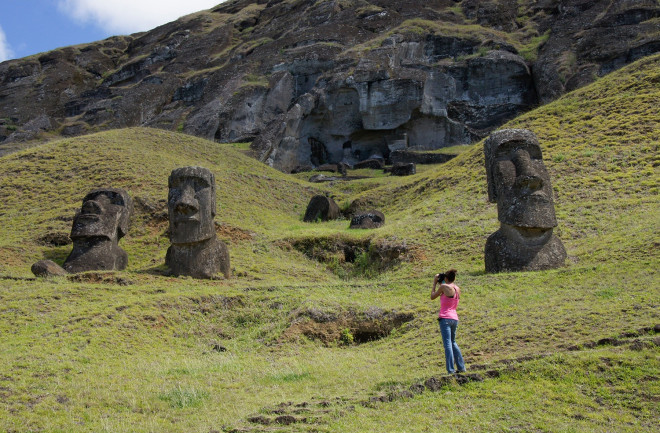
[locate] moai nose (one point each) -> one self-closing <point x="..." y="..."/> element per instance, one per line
<point x="187" y="204"/>
<point x="91" y="207"/>
<point x="526" y="174"/>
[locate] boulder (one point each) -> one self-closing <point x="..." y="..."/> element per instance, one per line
<point x="367" y="220"/>
<point x="47" y="268"/>
<point x="403" y="169"/>
<point x="374" y="163"/>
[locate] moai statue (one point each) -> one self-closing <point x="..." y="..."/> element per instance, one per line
<point x="520" y="184"/>
<point x="195" y="251"/>
<point x="321" y="208"/>
<point x="97" y="227"/>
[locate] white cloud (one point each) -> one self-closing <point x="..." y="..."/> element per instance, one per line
<point x="130" y="16"/>
<point x="6" y="52"/>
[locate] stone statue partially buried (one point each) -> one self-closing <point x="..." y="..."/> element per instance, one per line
<point x="195" y="250"/>
<point x="520" y="184"/>
<point x="97" y="227"/>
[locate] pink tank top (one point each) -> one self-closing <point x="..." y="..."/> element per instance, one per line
<point x="448" y="305"/>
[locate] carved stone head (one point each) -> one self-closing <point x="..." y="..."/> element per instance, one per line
<point x="97" y="227"/>
<point x="518" y="180"/>
<point x="105" y="213"/>
<point x="191" y="205"/>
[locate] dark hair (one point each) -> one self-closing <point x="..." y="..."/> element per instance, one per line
<point x="450" y="275"/>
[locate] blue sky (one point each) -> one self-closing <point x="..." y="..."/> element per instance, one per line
<point x="32" y="26"/>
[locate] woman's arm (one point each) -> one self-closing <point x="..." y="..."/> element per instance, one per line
<point x="434" y="293"/>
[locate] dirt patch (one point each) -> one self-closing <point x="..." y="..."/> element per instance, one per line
<point x="307" y="412"/>
<point x="152" y="215"/>
<point x="150" y="209"/>
<point x="99" y="278"/>
<point x="232" y="233"/>
<point x="348" y="257"/>
<point x="345" y="328"/>
<point x="55" y="239"/>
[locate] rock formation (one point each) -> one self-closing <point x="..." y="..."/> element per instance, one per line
<point x="321" y="208"/>
<point x="367" y="220"/>
<point x="403" y="169"/>
<point x="315" y="82"/>
<point x="102" y="220"/>
<point x="47" y="268"/>
<point x="195" y="249"/>
<point x="520" y="184"/>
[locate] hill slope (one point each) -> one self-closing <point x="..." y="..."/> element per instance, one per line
<point x="572" y="349"/>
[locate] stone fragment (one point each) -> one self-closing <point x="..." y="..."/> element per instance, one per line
<point x="47" y="268"/>
<point x="367" y="220"/>
<point x="102" y="220"/>
<point x="520" y="185"/>
<point x="321" y="208"/>
<point x="375" y="163"/>
<point x="195" y="249"/>
<point x="407" y="156"/>
<point x="403" y="169"/>
<point x="332" y="168"/>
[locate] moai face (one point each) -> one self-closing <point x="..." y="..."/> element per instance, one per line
<point x="518" y="180"/>
<point x="191" y="205"/>
<point x="104" y="213"/>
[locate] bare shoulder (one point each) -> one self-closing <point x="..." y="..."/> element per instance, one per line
<point x="448" y="290"/>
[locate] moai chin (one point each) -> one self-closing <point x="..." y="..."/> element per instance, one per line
<point x="520" y="185"/>
<point x="102" y="220"/>
<point x="195" y="249"/>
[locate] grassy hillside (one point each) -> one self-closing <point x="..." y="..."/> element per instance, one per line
<point x="284" y="345"/>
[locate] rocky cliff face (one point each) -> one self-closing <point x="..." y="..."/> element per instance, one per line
<point x="320" y="81"/>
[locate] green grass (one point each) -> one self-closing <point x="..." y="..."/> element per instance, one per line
<point x="570" y="349"/>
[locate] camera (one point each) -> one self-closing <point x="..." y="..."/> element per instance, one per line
<point x="441" y="277"/>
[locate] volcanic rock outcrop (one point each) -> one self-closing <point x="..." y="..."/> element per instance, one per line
<point x="312" y="82"/>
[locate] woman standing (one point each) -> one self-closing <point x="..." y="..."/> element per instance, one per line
<point x="449" y="294"/>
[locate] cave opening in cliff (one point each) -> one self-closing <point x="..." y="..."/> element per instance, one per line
<point x="318" y="152"/>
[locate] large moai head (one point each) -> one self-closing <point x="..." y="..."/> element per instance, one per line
<point x="195" y="251"/>
<point x="104" y="213"/>
<point x="518" y="180"/>
<point x="102" y="220"/>
<point x="191" y="205"/>
<point x="520" y="184"/>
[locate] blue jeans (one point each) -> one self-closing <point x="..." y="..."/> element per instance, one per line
<point x="452" y="352"/>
